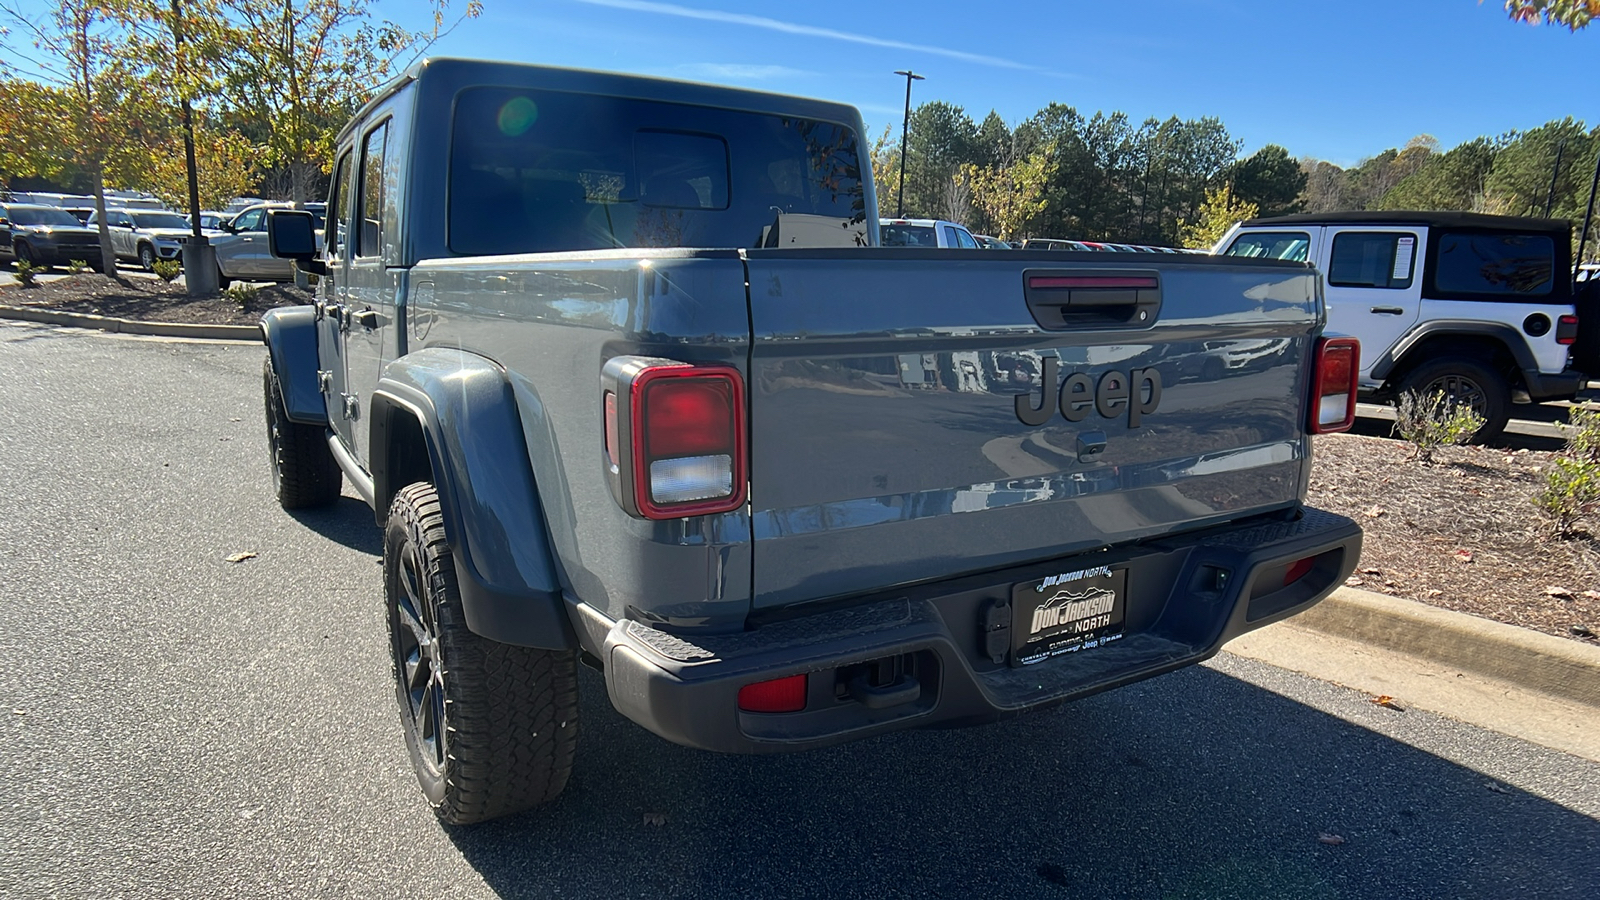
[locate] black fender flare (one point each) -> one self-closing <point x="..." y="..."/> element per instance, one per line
<point x="1505" y="334"/>
<point x="509" y="580"/>
<point x="290" y="333"/>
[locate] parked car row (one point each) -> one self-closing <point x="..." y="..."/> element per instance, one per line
<point x="944" y="234"/>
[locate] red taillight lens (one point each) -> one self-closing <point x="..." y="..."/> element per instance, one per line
<point x="1336" y="365"/>
<point x="688" y="441"/>
<point x="1567" y="330"/>
<point x="780" y="695"/>
<point x="688" y="417"/>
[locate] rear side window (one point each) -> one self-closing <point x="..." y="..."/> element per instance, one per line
<point x="1516" y="264"/>
<point x="534" y="171"/>
<point x="334" y="238"/>
<point x="1290" y="245"/>
<point x="908" y="236"/>
<point x="370" y="239"/>
<point x="1372" y="259"/>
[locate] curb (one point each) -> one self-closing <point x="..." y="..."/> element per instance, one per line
<point x="1539" y="662"/>
<point x="133" y="326"/>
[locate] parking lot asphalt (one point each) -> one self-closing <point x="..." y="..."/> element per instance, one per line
<point x="180" y="725"/>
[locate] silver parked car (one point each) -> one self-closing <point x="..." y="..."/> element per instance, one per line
<point x="242" y="252"/>
<point x="145" y="235"/>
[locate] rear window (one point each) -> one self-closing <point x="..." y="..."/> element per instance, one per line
<point x="538" y="171"/>
<point x="1290" y="245"/>
<point x="159" y="220"/>
<point x="1518" y="264"/>
<point x="41" y="215"/>
<point x="907" y="236"/>
<point x="1372" y="259"/>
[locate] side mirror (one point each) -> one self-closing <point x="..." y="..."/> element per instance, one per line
<point x="292" y="234"/>
<point x="5" y="222"/>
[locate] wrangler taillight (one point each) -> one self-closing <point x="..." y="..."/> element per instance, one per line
<point x="674" y="437"/>
<point x="1335" y="366"/>
<point x="1567" y="330"/>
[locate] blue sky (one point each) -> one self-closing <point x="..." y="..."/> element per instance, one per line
<point x="1337" y="80"/>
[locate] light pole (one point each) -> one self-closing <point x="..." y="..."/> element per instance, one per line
<point x="900" y="208"/>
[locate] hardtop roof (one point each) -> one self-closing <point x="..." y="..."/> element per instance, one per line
<point x="465" y="73"/>
<point x="1437" y="218"/>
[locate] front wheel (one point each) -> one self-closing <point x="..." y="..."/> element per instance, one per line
<point x="304" y="472"/>
<point x="147" y="257"/>
<point x="492" y="729"/>
<point x="1468" y="383"/>
<point x="25" y="254"/>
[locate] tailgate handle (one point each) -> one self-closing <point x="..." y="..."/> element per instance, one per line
<point x="1073" y="299"/>
<point x="904" y="689"/>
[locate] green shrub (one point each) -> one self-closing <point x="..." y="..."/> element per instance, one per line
<point x="26" y="272"/>
<point x="241" y="294"/>
<point x="166" y="269"/>
<point x="1433" y="422"/>
<point x="77" y="266"/>
<point x="1572" y="486"/>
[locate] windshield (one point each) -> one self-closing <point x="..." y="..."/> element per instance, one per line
<point x="42" y="215"/>
<point x="545" y="170"/>
<point x="908" y="236"/>
<point x="159" y="220"/>
<point x="1290" y="245"/>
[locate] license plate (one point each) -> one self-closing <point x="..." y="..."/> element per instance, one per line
<point x="1066" y="613"/>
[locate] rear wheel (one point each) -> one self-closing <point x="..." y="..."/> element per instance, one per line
<point x="1469" y="383"/>
<point x="492" y="729"/>
<point x="304" y="472"/>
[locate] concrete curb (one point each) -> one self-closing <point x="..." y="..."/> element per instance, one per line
<point x="1540" y="662"/>
<point x="133" y="326"/>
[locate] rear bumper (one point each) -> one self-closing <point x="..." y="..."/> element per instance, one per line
<point x="1563" y="386"/>
<point x="1179" y="612"/>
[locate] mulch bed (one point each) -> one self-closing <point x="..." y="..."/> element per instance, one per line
<point x="1462" y="533"/>
<point x="149" y="300"/>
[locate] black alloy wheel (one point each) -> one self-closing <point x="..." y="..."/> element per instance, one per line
<point x="416" y="658"/>
<point x="1469" y="383"/>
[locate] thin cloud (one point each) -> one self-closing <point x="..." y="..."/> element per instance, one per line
<point x="713" y="15"/>
<point x="738" y="71"/>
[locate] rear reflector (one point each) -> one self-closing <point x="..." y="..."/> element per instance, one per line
<point x="691" y="478"/>
<point x="1299" y="570"/>
<point x="1567" y="330"/>
<point x="780" y="695"/>
<point x="1335" y="367"/>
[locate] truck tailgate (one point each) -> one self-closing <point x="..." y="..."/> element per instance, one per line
<point x="888" y="445"/>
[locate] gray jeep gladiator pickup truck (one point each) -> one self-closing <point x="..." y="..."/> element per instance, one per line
<point x="781" y="497"/>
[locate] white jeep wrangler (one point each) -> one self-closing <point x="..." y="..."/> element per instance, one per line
<point x="1480" y="308"/>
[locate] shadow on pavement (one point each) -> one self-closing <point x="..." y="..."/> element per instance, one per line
<point x="1144" y="792"/>
<point x="348" y="522"/>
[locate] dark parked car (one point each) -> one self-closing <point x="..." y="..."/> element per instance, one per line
<point x="46" y="236"/>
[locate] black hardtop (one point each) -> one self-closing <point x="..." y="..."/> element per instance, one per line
<point x="1433" y="218"/>
<point x="455" y="75"/>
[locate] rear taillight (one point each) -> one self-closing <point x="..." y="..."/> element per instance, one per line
<point x="674" y="437"/>
<point x="1567" y="330"/>
<point x="1335" y="367"/>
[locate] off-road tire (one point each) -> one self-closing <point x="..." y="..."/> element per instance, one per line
<point x="1459" y="378"/>
<point x="304" y="472"/>
<point x="504" y="719"/>
<point x="147" y="257"/>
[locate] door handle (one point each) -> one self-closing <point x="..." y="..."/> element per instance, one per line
<point x="366" y="318"/>
<point x="1388" y="310"/>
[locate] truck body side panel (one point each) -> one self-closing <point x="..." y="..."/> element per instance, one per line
<point x="551" y="321"/>
<point x="886" y="445"/>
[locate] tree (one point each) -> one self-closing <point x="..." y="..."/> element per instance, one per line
<point x="1270" y="179"/>
<point x="303" y="67"/>
<point x="76" y="44"/>
<point x="1327" y="187"/>
<point x="1454" y="180"/>
<point x="941" y="138"/>
<point x="1216" y="215"/>
<point x="1574" y="14"/>
<point x="1526" y="170"/>
<point x="1012" y="194"/>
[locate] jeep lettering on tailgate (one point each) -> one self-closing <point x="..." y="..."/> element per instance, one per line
<point x="1138" y="391"/>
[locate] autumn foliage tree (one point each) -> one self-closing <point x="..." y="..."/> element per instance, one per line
<point x="1574" y="14"/>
